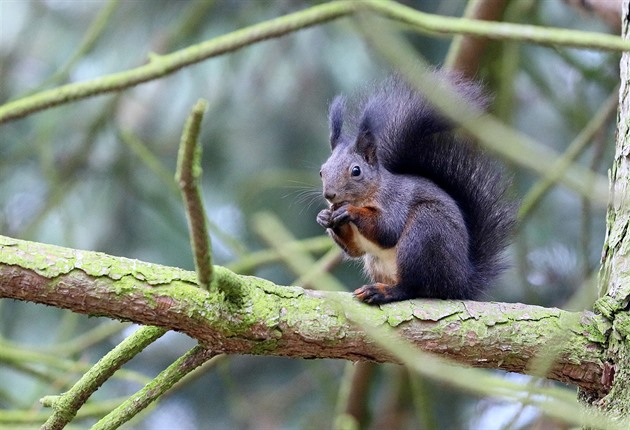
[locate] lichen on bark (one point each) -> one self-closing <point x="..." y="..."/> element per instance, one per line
<point x="290" y="321"/>
<point x="614" y="303"/>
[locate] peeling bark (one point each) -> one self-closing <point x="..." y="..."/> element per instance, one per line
<point x="291" y="321"/>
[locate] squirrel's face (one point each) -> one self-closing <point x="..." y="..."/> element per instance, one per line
<point x="348" y="177"/>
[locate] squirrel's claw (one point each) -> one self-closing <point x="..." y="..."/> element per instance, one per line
<point x="323" y="218"/>
<point x="339" y="216"/>
<point x="374" y="294"/>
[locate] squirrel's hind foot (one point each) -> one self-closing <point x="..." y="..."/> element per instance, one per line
<point x="379" y="293"/>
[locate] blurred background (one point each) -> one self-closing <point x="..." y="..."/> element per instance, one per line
<point x="97" y="174"/>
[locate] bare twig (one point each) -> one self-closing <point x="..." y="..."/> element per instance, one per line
<point x="65" y="407"/>
<point x="94" y="31"/>
<point x="188" y="176"/>
<point x="564" y="162"/>
<point x="163" y="65"/>
<point x="153" y="390"/>
<point x="493" y="134"/>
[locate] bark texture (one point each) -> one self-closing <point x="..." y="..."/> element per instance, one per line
<point x="291" y="321"/>
<point x="614" y="303"/>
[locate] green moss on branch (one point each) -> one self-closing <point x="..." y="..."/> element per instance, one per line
<point x="291" y="321"/>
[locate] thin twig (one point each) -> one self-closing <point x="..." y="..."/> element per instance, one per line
<point x="89" y="338"/>
<point x="65" y="407"/>
<point x="497" y="30"/>
<point x="325" y="264"/>
<point x="20" y="419"/>
<point x="187" y="176"/>
<point x="163" y="65"/>
<point x="94" y="31"/>
<point x="354" y="393"/>
<point x="153" y="390"/>
<point x="493" y="134"/>
<point x="161" y="172"/>
<point x="564" y="162"/>
<point x="51" y="366"/>
<point x="248" y="263"/>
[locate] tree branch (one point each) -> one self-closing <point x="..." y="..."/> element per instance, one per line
<point x="493" y="134"/>
<point x="65" y="407"/>
<point x="152" y="391"/>
<point x="291" y="321"/>
<point x="496" y="30"/>
<point x="188" y="176"/>
<point x="163" y="65"/>
<point x="465" y="52"/>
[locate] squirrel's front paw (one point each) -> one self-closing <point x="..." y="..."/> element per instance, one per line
<point x="323" y="218"/>
<point x="333" y="218"/>
<point x="340" y="216"/>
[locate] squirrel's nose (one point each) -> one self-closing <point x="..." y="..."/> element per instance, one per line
<point x="330" y="195"/>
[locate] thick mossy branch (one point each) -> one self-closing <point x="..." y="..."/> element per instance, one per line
<point x="163" y="65"/>
<point x="291" y="321"/>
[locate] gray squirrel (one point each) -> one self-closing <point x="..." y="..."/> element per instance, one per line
<point x="408" y="193"/>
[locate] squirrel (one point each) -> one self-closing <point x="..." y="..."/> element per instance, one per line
<point x="425" y="209"/>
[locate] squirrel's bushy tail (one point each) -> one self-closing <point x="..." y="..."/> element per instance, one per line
<point x="414" y="139"/>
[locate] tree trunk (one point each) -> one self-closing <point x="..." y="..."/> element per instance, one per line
<point x="615" y="271"/>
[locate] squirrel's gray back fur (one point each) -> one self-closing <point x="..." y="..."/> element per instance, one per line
<point x="414" y="139"/>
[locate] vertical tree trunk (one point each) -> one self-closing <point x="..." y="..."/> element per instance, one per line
<point x="615" y="271"/>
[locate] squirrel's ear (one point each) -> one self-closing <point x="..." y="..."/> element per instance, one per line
<point x="335" y="117"/>
<point x="366" y="147"/>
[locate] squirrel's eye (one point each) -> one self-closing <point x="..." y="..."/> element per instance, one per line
<point x="356" y="171"/>
<point x="320" y="173"/>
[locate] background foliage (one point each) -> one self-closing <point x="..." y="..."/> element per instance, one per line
<point x="97" y="174"/>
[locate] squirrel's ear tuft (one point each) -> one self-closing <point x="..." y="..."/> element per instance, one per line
<point x="335" y="117"/>
<point x="366" y="146"/>
<point x="366" y="139"/>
